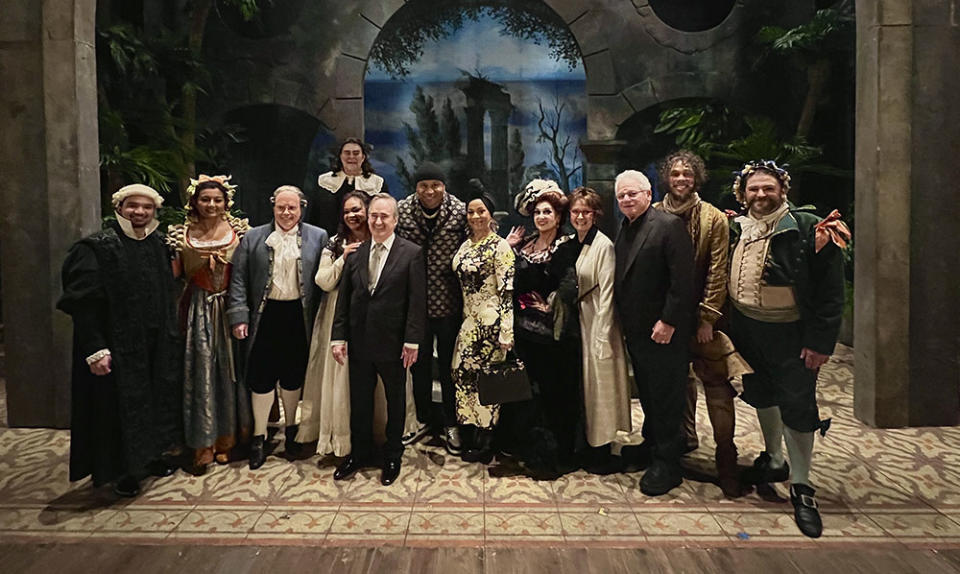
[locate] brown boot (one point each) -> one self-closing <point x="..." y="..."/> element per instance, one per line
<point x="722" y="414"/>
<point x="728" y="472"/>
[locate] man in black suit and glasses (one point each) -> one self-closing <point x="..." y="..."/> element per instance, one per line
<point x="653" y="293"/>
<point x="379" y="324"/>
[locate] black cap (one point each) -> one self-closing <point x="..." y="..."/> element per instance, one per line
<point x="429" y="170"/>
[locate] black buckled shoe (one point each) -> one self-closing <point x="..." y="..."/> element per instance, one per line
<point x="127" y="486"/>
<point x="391" y="470"/>
<point x="806" y="511"/>
<point x="762" y="473"/>
<point x="257" y="453"/>
<point x="661" y="478"/>
<point x="347" y="469"/>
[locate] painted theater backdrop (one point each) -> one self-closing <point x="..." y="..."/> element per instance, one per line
<point x="494" y="94"/>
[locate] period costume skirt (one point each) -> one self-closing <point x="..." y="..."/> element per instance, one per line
<point x="216" y="406"/>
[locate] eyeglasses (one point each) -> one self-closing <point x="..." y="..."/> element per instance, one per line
<point x="580" y="212"/>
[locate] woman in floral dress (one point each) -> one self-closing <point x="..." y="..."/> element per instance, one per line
<point x="484" y="265"/>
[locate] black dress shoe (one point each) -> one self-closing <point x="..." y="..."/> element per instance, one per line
<point x="160" y="468"/>
<point x="661" y="478"/>
<point x="347" y="469"/>
<point x="391" y="470"/>
<point x="257" y="453"/>
<point x="806" y="510"/>
<point x="290" y="446"/>
<point x="127" y="486"/>
<point x="762" y="473"/>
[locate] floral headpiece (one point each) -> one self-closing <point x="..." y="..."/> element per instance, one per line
<point x="223" y="180"/>
<point x="533" y="190"/>
<point x="751" y="167"/>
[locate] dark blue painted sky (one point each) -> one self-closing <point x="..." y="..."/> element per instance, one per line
<point x="526" y="71"/>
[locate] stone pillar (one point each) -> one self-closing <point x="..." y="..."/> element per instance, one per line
<point x="600" y="169"/>
<point x="475" y="151"/>
<point x="50" y="194"/>
<point x="499" y="132"/>
<point x="907" y="320"/>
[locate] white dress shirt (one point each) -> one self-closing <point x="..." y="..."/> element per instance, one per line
<point x="286" y="255"/>
<point x="384" y="253"/>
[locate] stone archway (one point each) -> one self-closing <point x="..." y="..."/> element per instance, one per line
<point x="345" y="114"/>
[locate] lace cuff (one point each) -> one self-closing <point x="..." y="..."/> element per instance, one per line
<point x="97" y="356"/>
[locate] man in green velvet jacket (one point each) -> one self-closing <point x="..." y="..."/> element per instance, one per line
<point x="786" y="297"/>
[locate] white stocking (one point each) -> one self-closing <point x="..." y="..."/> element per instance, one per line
<point x="290" y="399"/>
<point x="262" y="403"/>
<point x="800" y="451"/>
<point x="772" y="427"/>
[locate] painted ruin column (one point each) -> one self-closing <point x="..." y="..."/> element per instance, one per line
<point x="475" y="153"/>
<point x="499" y="163"/>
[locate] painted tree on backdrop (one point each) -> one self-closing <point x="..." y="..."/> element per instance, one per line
<point x="550" y="124"/>
<point x="436" y="137"/>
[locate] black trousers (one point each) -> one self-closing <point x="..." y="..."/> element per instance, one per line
<point x="555" y="367"/>
<point x="780" y="378"/>
<point x="444" y="330"/>
<point x="363" y="381"/>
<point x="661" y="375"/>
<point x="281" y="350"/>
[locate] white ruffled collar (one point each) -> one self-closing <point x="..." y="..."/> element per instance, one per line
<point x="127" y="227"/>
<point x="332" y="181"/>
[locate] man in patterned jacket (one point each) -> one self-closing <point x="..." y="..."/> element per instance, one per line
<point x="436" y="221"/>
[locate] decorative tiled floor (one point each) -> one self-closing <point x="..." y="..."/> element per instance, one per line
<point x="875" y="487"/>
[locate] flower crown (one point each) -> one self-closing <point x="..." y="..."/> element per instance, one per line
<point x="751" y="167"/>
<point x="223" y="180"/>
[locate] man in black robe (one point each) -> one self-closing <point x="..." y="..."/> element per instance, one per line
<point x="127" y="354"/>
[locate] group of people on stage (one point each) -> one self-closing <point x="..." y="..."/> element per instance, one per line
<point x="426" y="287"/>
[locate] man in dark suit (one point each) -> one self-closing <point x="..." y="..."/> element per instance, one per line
<point x="653" y="292"/>
<point x="380" y="315"/>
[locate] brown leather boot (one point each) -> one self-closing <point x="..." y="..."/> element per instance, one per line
<point x="722" y="414"/>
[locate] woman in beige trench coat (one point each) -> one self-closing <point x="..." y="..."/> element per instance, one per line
<point x="606" y="388"/>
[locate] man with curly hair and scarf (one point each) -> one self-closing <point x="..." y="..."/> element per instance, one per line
<point x="786" y="295"/>
<point x="713" y="358"/>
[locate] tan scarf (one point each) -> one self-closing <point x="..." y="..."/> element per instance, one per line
<point x="681" y="208"/>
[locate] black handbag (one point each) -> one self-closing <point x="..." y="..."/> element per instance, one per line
<point x="505" y="382"/>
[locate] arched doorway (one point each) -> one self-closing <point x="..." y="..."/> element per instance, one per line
<point x="279" y="145"/>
